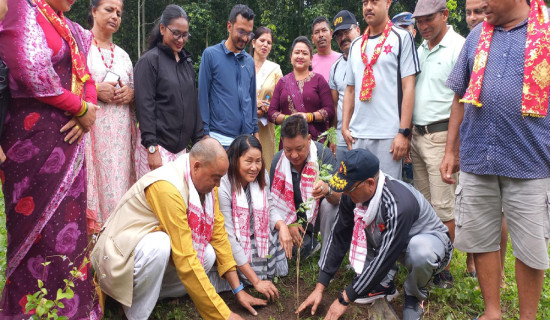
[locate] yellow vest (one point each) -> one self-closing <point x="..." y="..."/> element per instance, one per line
<point x="113" y="254"/>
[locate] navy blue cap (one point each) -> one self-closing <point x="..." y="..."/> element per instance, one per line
<point x="357" y="165"/>
<point x="343" y="20"/>
<point x="403" y="19"/>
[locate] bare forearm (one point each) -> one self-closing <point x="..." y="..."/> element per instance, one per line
<point x="249" y="273"/>
<point x="457" y="115"/>
<point x="348" y="105"/>
<point x="407" y="104"/>
<point x="233" y="278"/>
<point x="334" y="198"/>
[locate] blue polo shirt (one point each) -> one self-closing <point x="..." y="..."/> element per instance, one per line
<point x="227" y="92"/>
<point x="496" y="139"/>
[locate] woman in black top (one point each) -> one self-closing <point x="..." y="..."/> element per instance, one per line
<point x="166" y="94"/>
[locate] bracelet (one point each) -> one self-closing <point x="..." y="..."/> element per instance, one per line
<point x="309" y="117"/>
<point x="238" y="289"/>
<point x="313" y="113"/>
<point x="84" y="109"/>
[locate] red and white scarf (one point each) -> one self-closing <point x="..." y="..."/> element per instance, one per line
<point x="536" y="79"/>
<point x="282" y="192"/>
<point x="260" y="213"/>
<point x="200" y="219"/>
<point x="364" y="218"/>
<point x="368" y="83"/>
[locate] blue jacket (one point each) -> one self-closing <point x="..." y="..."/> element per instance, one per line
<point x="227" y="92"/>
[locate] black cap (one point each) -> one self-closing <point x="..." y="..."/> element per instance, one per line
<point x="343" y="20"/>
<point x="358" y="165"/>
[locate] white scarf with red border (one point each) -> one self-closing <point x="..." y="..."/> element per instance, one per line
<point x="200" y="219"/>
<point x="260" y="213"/>
<point x="364" y="218"/>
<point x="282" y="192"/>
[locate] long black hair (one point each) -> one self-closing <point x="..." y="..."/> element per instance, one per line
<point x="305" y="41"/>
<point x="238" y="147"/>
<point x="259" y="32"/>
<point x="170" y="13"/>
<point x="93" y="5"/>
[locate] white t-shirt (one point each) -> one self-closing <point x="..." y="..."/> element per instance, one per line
<point x="337" y="81"/>
<point x="379" y="117"/>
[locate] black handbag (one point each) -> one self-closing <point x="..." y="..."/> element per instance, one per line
<point x="4" y="94"/>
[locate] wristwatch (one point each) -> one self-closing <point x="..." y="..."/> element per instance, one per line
<point x="341" y="299"/>
<point x="152" y="149"/>
<point x="406" y="132"/>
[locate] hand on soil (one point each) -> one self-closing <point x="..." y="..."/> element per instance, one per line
<point x="313" y="300"/>
<point x="267" y="289"/>
<point x="248" y="302"/>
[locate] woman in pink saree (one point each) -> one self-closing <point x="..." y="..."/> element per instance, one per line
<point x="44" y="175"/>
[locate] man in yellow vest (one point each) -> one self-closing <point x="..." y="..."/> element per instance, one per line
<point x="165" y="235"/>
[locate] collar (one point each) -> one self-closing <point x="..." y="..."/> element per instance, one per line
<point x="447" y="40"/>
<point x="519" y="26"/>
<point x="227" y="51"/>
<point x="183" y="54"/>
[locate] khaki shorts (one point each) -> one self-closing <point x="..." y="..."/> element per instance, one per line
<point x="427" y="153"/>
<point x="480" y="202"/>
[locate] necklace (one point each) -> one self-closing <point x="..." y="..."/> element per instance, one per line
<point x="111" y="47"/>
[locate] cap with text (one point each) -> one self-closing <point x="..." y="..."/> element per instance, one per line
<point x="357" y="165"/>
<point x="343" y="21"/>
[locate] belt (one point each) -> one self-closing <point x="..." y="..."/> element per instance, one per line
<point x="434" y="127"/>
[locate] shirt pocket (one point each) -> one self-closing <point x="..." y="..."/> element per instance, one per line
<point x="459" y="212"/>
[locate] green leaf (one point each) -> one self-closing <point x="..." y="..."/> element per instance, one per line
<point x="60" y="304"/>
<point x="40" y="311"/>
<point x="40" y="283"/>
<point x="49" y="304"/>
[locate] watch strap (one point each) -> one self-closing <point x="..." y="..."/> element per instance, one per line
<point x="341" y="299"/>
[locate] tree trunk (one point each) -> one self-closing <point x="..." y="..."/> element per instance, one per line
<point x="143" y="23"/>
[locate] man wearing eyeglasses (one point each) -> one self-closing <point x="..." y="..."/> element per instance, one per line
<point x="346" y="29"/>
<point x="380" y="221"/>
<point x="227" y="82"/>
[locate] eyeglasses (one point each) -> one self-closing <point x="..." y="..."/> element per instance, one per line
<point x="244" y="34"/>
<point x="356" y="186"/>
<point x="341" y="33"/>
<point x="179" y="35"/>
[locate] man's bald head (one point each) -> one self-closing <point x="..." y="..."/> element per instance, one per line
<point x="209" y="164"/>
<point x="207" y="150"/>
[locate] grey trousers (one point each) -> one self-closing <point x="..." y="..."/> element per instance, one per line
<point x="381" y="149"/>
<point x="326" y="220"/>
<point x="426" y="255"/>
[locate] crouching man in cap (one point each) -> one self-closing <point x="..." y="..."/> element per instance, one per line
<point x="165" y="235"/>
<point x="380" y="221"/>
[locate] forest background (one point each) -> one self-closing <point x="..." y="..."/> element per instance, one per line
<point x="208" y="19"/>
